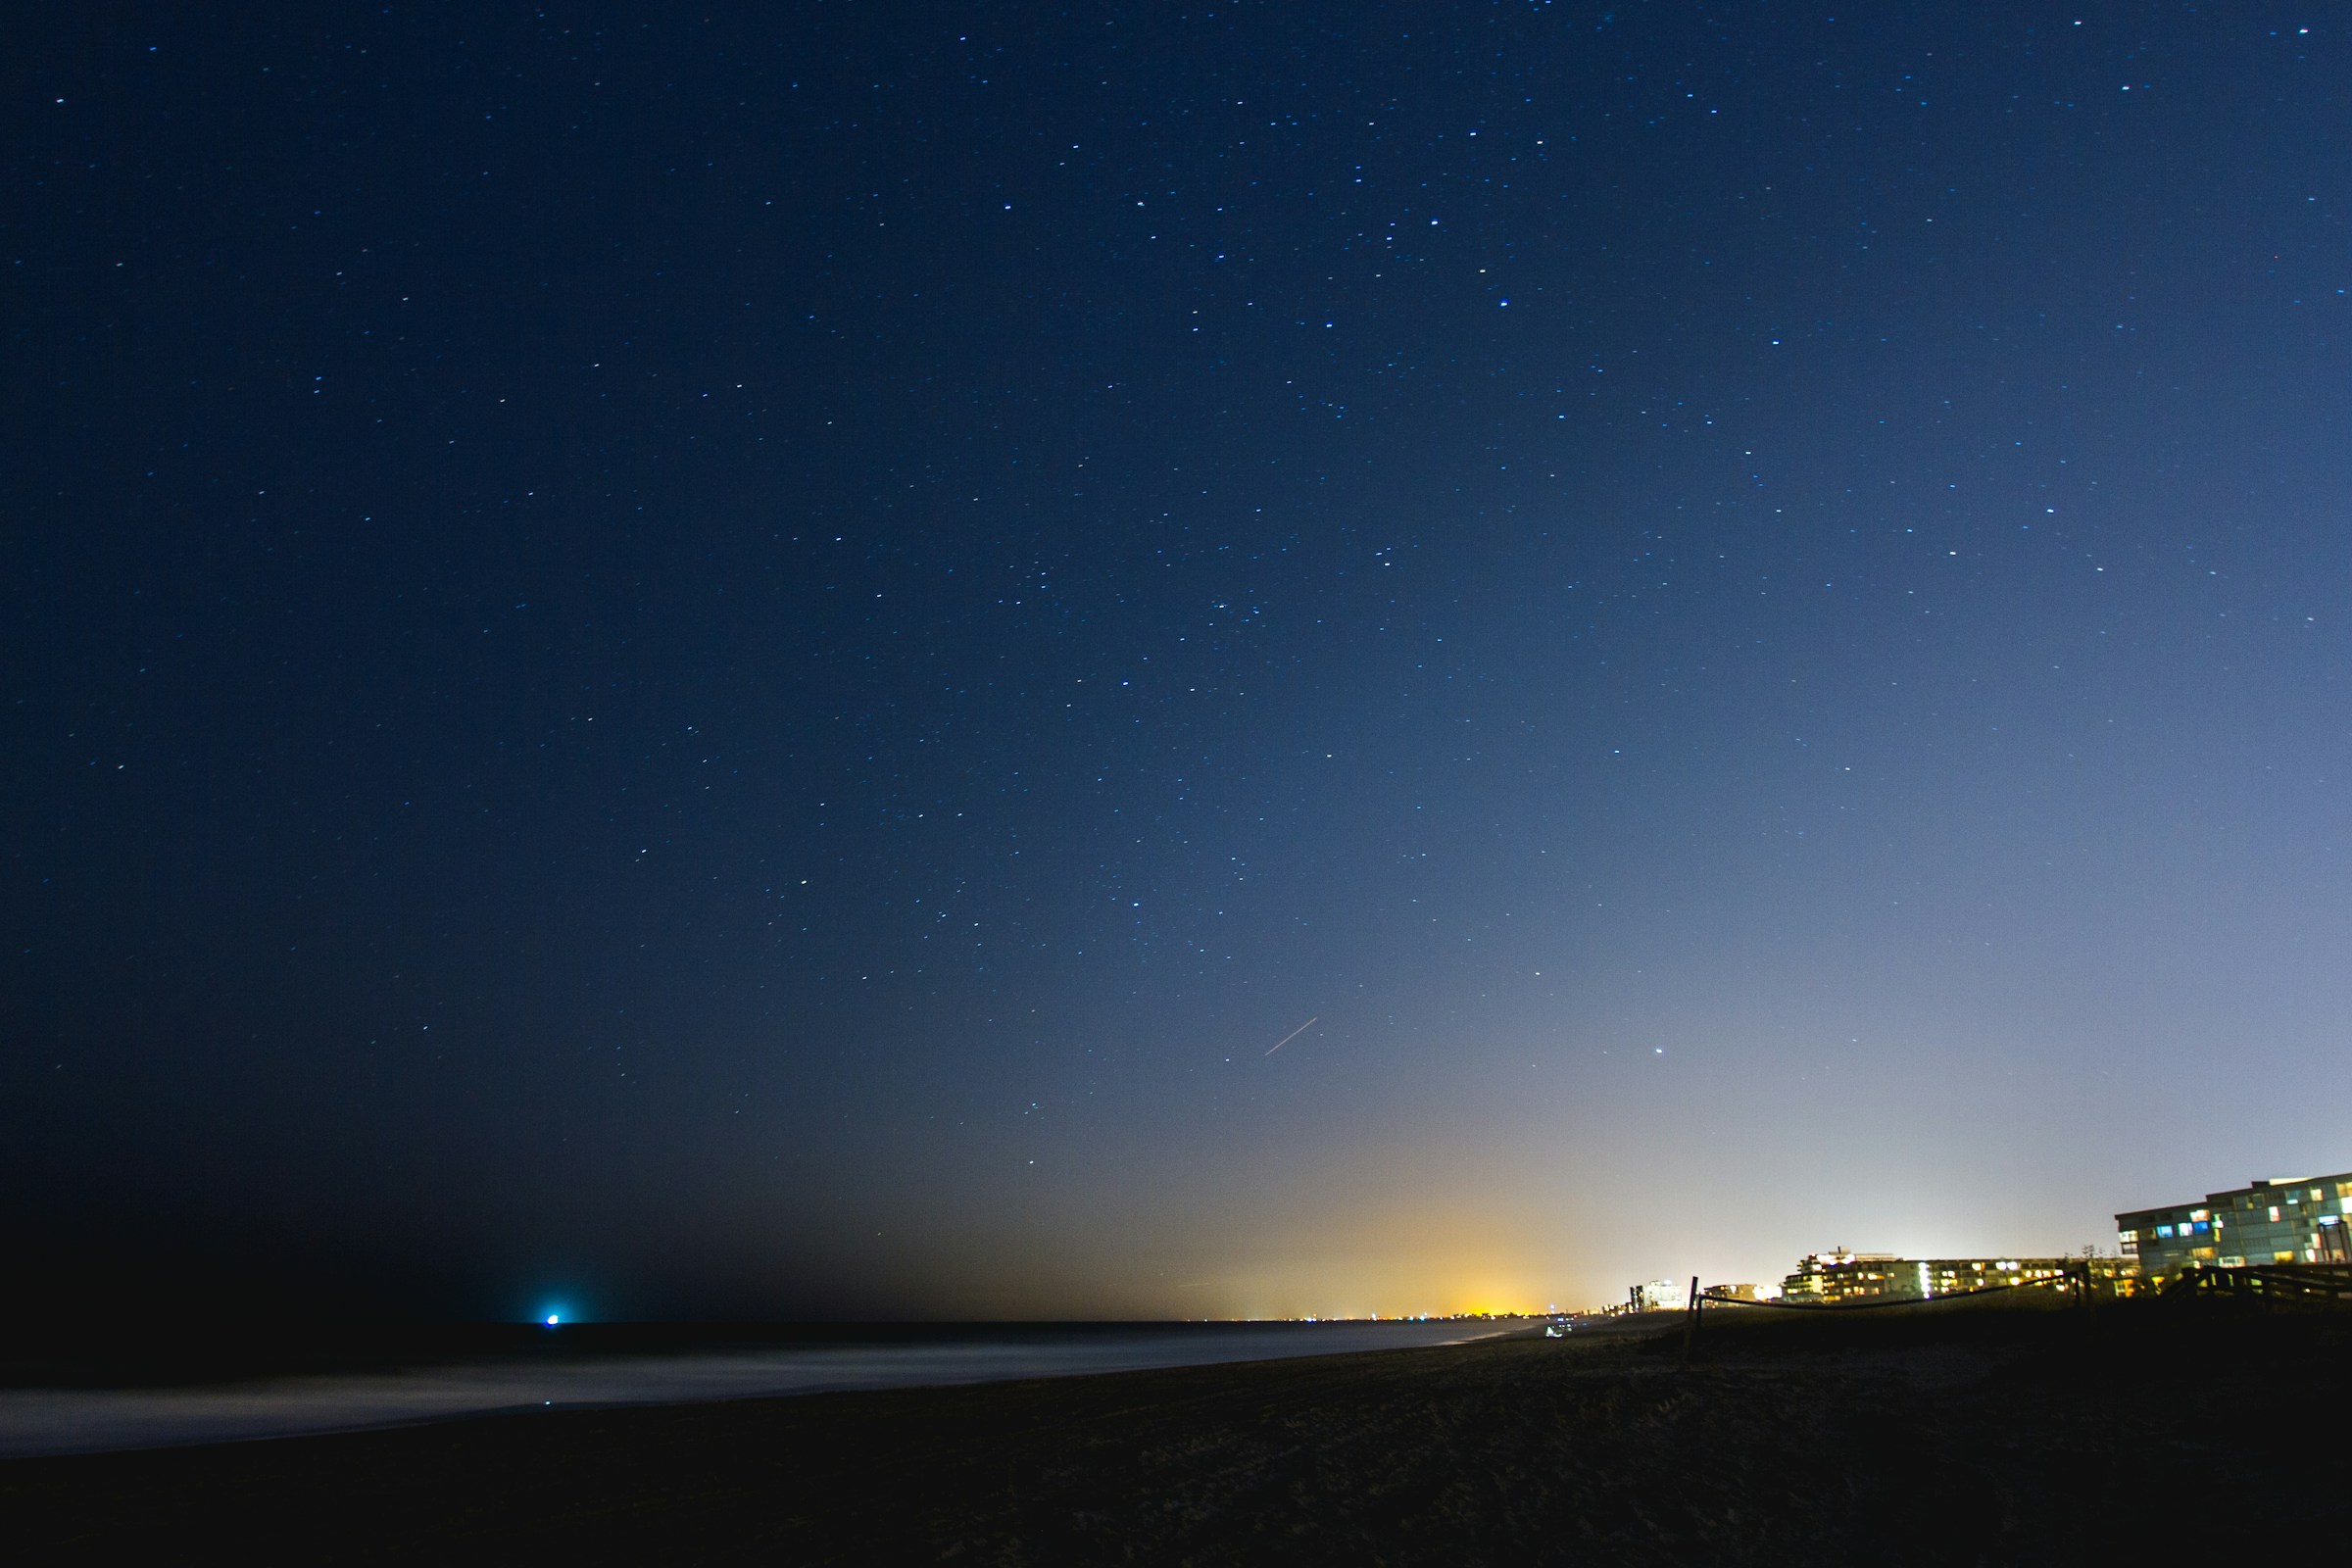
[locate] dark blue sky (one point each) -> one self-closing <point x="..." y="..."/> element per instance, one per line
<point x="747" y="665"/>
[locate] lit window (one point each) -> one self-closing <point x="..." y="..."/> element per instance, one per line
<point x="2161" y="1230"/>
<point x="2203" y="1226"/>
<point x="2273" y="1213"/>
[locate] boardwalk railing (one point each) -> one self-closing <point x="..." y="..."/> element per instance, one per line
<point x="2328" y="1284"/>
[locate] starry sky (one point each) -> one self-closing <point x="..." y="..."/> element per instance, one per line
<point x="748" y="664"/>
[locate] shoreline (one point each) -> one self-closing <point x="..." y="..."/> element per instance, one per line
<point x="37" y="1421"/>
<point x="1949" y="1437"/>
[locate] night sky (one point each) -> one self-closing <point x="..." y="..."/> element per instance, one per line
<point x="678" y="665"/>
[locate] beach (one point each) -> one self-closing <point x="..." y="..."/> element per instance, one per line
<point x="99" y="1407"/>
<point x="1951" y="1436"/>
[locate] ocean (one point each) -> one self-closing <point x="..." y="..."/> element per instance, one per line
<point x="567" y="1374"/>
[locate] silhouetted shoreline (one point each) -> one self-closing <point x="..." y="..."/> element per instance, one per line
<point x="1988" y="1435"/>
<point x="372" y="1384"/>
<point x="168" y="1353"/>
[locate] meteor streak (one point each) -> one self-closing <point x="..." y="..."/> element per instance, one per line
<point x="1292" y="1035"/>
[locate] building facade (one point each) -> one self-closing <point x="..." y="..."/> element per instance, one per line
<point x="1742" y="1293"/>
<point x="1842" y="1276"/>
<point x="2300" y="1219"/>
<point x="1661" y="1295"/>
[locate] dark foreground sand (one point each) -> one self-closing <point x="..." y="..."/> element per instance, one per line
<point x="1953" y="1435"/>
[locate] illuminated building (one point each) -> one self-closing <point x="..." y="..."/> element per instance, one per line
<point x="1839" y="1275"/>
<point x="2284" y="1220"/>
<point x="1661" y="1295"/>
<point x="1744" y="1292"/>
<point x="1842" y="1276"/>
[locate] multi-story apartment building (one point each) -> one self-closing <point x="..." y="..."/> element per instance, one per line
<point x="2301" y="1219"/>
<point x="1842" y="1276"/>
<point x="1661" y="1295"/>
<point x="1839" y="1275"/>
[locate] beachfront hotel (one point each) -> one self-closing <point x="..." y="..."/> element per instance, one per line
<point x="2299" y="1219"/>
<point x="1843" y="1276"/>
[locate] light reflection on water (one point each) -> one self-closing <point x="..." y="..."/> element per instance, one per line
<point x="51" y="1421"/>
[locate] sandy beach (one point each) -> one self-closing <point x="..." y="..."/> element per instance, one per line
<point x="1961" y="1437"/>
<point x="604" y="1365"/>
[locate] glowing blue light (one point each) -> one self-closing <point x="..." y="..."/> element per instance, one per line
<point x="553" y="1319"/>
